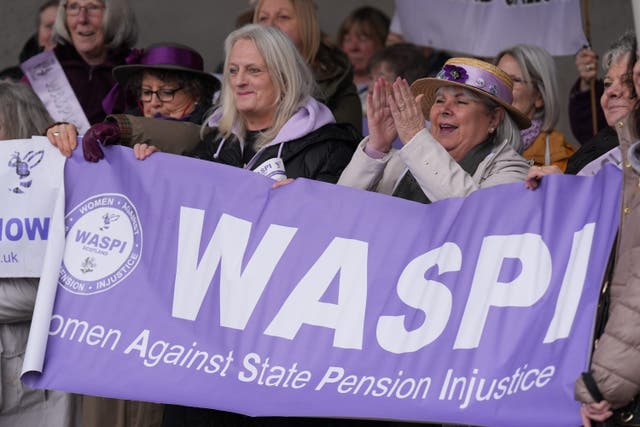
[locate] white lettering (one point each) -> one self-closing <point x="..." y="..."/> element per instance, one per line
<point x="486" y="289"/>
<point x="572" y="284"/>
<point x="239" y="291"/>
<point x="303" y="306"/>
<point x="429" y="296"/>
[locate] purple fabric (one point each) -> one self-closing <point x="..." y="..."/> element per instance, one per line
<point x="372" y="152"/>
<point x="171" y="55"/>
<point x="478" y="78"/>
<point x="340" y="241"/>
<point x="158" y="55"/>
<point x="99" y="134"/>
<point x="530" y="134"/>
<point x="311" y="116"/>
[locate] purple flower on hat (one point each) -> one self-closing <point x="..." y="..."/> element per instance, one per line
<point x="493" y="90"/>
<point x="454" y="74"/>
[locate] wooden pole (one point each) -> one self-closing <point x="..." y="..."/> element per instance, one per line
<point x="592" y="85"/>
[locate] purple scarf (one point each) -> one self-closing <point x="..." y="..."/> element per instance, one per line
<point x="530" y="134"/>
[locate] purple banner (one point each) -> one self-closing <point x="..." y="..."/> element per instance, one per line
<point x="320" y="300"/>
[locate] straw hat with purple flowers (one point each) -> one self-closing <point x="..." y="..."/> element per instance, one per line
<point x="475" y="75"/>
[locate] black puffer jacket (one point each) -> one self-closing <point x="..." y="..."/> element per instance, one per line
<point x="320" y="155"/>
<point x="604" y="141"/>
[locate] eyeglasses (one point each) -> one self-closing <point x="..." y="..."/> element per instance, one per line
<point x="164" y="95"/>
<point x="91" y="9"/>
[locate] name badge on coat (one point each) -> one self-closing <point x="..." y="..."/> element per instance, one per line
<point x="272" y="168"/>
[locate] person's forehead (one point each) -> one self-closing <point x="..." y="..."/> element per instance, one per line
<point x="619" y="64"/>
<point x="454" y="91"/>
<point x="275" y="5"/>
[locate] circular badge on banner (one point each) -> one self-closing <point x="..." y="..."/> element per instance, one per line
<point x="104" y="244"/>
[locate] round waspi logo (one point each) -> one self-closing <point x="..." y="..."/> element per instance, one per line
<point x="104" y="244"/>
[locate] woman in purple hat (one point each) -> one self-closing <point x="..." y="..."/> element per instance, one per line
<point x="473" y="141"/>
<point x="165" y="81"/>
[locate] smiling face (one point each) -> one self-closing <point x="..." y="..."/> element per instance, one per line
<point x="460" y="121"/>
<point x="253" y="90"/>
<point x="526" y="97"/>
<point x="282" y="15"/>
<point x="87" y="30"/>
<point x="617" y="99"/>
<point x="181" y="105"/>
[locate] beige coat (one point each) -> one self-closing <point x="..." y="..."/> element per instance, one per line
<point x="437" y="173"/>
<point x="615" y="363"/>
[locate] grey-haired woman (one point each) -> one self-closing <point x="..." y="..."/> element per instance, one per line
<point x="93" y="37"/>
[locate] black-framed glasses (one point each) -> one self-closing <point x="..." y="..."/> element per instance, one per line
<point x="164" y="95"/>
<point x="92" y="9"/>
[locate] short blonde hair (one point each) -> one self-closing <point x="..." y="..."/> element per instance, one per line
<point x="290" y="74"/>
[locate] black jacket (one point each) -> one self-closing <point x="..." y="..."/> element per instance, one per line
<point x="320" y="155"/>
<point x="604" y="141"/>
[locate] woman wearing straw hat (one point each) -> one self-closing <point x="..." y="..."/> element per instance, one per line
<point x="165" y="81"/>
<point x="473" y="141"/>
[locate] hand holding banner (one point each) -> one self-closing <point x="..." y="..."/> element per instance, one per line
<point x="319" y="300"/>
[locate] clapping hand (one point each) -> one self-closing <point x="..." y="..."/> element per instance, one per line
<point x="382" y="130"/>
<point x="405" y="110"/>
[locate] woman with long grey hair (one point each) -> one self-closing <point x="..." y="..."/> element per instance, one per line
<point x="536" y="94"/>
